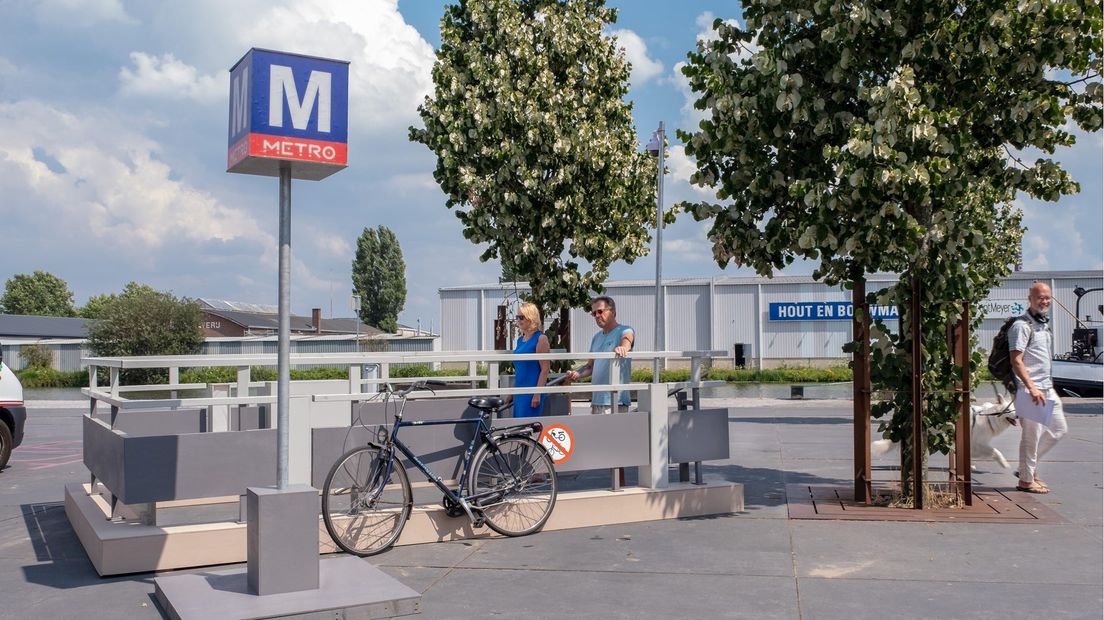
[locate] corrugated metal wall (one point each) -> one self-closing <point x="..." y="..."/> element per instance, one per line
<point x="737" y="311"/>
<point x="736" y="318"/>
<point x="687" y="318"/>
<point x="460" y="330"/>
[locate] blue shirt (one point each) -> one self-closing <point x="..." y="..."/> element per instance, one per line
<point x="526" y="375"/>
<point x="600" y="374"/>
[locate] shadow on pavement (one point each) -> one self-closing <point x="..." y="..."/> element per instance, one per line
<point x="62" y="562"/>
<point x="764" y="486"/>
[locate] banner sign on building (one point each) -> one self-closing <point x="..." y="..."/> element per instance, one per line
<point x="1002" y="308"/>
<point x="826" y="311"/>
<point x="288" y="108"/>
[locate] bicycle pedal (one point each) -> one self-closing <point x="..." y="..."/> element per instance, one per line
<point x="478" y="523"/>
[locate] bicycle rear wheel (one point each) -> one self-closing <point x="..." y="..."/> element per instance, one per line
<point x="364" y="505"/>
<point x="514" y="484"/>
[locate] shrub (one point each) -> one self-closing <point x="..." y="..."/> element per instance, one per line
<point x="36" y="355"/>
<point x="39" y="377"/>
<point x="752" y="375"/>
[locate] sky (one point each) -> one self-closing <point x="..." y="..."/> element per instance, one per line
<point x="113" y="121"/>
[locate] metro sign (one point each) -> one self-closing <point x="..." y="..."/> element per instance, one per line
<point x="288" y="108"/>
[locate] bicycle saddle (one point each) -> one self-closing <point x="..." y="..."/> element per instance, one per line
<point x="486" y="404"/>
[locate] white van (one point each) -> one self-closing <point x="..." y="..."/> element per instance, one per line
<point x="13" y="414"/>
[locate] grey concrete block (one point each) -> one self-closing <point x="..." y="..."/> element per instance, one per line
<point x="282" y="539"/>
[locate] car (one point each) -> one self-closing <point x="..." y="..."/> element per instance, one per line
<point x="13" y="413"/>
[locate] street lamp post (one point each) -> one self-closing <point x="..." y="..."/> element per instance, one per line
<point x="656" y="147"/>
<point x="356" y="314"/>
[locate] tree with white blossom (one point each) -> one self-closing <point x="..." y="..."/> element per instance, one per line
<point x="535" y="145"/>
<point x="888" y="136"/>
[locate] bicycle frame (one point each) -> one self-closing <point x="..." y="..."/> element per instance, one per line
<point x="483" y="433"/>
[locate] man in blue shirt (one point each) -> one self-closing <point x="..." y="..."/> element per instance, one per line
<point x="611" y="336"/>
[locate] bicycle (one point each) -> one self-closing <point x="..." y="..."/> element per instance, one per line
<point x="507" y="481"/>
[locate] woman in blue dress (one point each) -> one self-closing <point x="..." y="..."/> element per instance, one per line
<point x="530" y="373"/>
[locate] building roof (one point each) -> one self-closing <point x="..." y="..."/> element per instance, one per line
<point x="271" y="322"/>
<point x="26" y="326"/>
<point x="779" y="279"/>
<point x="237" y="306"/>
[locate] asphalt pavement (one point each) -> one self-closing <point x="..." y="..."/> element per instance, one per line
<point x="755" y="564"/>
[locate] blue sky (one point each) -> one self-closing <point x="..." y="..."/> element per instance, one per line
<point x="113" y="117"/>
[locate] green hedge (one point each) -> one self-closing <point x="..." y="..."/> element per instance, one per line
<point x="50" y="378"/>
<point x="831" y="374"/>
<point x="37" y="377"/>
<point x="224" y="374"/>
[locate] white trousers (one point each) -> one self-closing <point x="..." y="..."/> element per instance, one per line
<point x="1036" y="439"/>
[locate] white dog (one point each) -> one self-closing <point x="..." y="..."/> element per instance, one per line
<point x="987" y="420"/>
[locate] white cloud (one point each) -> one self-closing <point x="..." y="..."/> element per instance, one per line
<point x="81" y="13"/>
<point x="1067" y="235"/>
<point x="681" y="168"/>
<point x="93" y="176"/>
<point x="687" y="249"/>
<point x="644" y="67"/>
<point x="390" y="64"/>
<point x="329" y="244"/>
<point x="165" y="76"/>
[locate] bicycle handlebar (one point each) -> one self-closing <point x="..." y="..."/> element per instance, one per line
<point x="417" y="385"/>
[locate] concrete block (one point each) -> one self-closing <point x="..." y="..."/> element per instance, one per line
<point x="282" y="539"/>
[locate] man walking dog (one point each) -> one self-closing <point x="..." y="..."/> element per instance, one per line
<point x="1029" y="351"/>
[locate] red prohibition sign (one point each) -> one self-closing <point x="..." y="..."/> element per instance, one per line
<point x="558" y="441"/>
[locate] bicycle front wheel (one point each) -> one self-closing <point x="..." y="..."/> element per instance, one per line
<point x="366" y="501"/>
<point x="513" y="483"/>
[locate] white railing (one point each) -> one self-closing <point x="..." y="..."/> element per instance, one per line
<point x="237" y="393"/>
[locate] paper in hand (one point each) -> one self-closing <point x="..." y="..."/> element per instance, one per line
<point x="1027" y="409"/>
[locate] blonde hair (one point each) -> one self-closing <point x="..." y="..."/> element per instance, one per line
<point x="532" y="313"/>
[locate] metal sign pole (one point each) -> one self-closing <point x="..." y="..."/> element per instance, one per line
<point x="283" y="357"/>
<point x="659" y="328"/>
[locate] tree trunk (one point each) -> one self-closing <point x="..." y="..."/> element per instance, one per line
<point x="914" y="445"/>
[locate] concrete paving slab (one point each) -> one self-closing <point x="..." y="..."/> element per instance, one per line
<point x="727" y="544"/>
<point x="467" y="593"/>
<point x="846" y="599"/>
<point x="946" y="551"/>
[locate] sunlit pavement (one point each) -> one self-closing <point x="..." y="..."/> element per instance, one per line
<point x="757" y="564"/>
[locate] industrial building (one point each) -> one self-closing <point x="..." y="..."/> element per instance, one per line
<point x="770" y="322"/>
<point x="228" y="328"/>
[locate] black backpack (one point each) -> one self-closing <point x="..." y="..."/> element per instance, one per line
<point x="1000" y="363"/>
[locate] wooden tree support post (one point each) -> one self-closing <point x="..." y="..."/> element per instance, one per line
<point x="918" y="443"/>
<point x="565" y="328"/>
<point x="500" y="329"/>
<point x="860" y="326"/>
<point x="961" y="467"/>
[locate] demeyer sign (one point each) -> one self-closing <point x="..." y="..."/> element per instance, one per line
<point x="288" y="108"/>
<point x="825" y="311"/>
<point x="1002" y="308"/>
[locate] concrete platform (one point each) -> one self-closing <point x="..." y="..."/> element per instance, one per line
<point x="349" y="587"/>
<point x="121" y="547"/>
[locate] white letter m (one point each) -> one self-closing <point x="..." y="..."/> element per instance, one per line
<point x="282" y="84"/>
